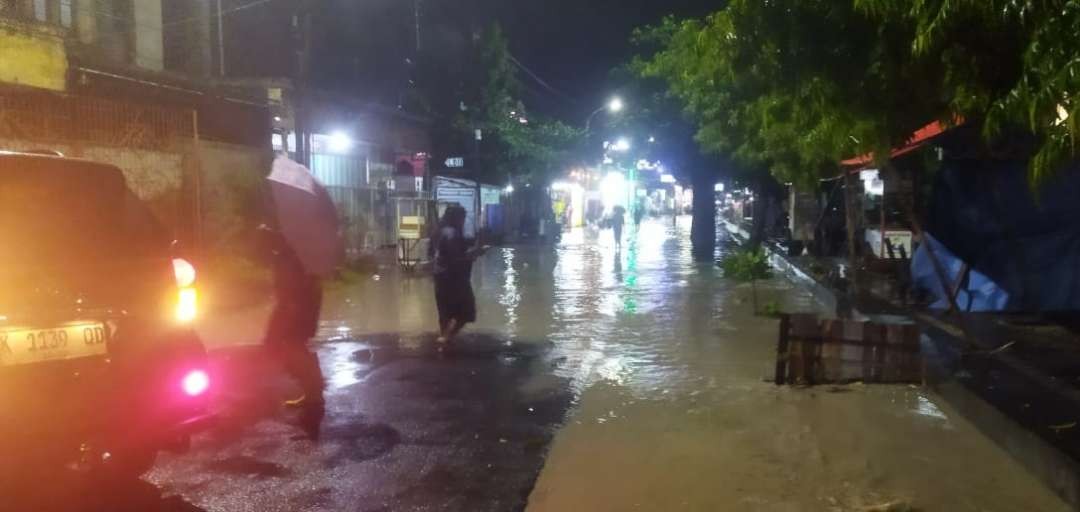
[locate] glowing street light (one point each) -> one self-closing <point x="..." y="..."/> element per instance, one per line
<point x="621" y="145"/>
<point x="614" y="105"/>
<point x="340" y="142"/>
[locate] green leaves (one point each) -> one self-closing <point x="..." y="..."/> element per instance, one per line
<point x="746" y="265"/>
<point x="1009" y="64"/>
<point x="792" y="87"/>
<point x="516" y="143"/>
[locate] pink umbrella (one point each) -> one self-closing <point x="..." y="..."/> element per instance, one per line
<point x="307" y="219"/>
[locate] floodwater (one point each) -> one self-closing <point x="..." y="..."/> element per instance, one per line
<point x="667" y="366"/>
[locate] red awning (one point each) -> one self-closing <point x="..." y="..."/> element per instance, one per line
<point x="920" y="137"/>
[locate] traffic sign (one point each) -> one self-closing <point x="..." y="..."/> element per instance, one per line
<point x="455" y="162"/>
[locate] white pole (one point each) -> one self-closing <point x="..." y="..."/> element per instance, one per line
<point x="221" y="40"/>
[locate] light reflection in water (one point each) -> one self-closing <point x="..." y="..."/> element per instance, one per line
<point x="510" y="297"/>
<point x="927" y="408"/>
<point x="340" y="366"/>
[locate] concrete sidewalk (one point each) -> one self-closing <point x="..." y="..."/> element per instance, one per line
<point x="1016" y="377"/>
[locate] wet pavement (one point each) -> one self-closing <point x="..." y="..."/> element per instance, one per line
<point x="594" y="380"/>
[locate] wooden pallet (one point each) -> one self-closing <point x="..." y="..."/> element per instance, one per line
<point x="813" y="351"/>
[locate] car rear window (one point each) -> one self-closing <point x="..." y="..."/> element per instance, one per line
<point x="55" y="211"/>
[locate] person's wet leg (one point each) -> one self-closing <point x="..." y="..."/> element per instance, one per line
<point x="303" y="365"/>
<point x="455" y="328"/>
<point x="452" y="328"/>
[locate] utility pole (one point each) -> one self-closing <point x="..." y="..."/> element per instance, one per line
<point x="416" y="17"/>
<point x="479" y="204"/>
<point x="301" y="103"/>
<point x="220" y="40"/>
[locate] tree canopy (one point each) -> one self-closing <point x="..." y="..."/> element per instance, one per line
<point x="794" y="86"/>
<point x="1010" y="64"/>
<point x="515" y="143"/>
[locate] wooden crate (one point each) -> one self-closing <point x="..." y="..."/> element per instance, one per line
<point x="815" y="351"/>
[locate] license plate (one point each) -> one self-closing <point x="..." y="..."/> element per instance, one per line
<point x="68" y="341"/>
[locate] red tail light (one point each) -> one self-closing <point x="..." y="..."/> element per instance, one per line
<point x="195" y="383"/>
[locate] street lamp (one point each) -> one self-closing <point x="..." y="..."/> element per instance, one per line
<point x="340" y="142"/>
<point x="614" y="106"/>
<point x="621" y="145"/>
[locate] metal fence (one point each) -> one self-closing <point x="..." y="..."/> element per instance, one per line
<point x="155" y="146"/>
<point x="53" y="117"/>
<point x="365" y="216"/>
<point x="370" y="216"/>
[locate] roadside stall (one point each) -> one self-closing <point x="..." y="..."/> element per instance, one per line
<point x="888" y="234"/>
<point x="415" y="219"/>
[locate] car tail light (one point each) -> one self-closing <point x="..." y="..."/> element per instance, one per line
<point x="184" y="272"/>
<point x="195" y="383"/>
<point x="187" y="299"/>
<point x="187" y="305"/>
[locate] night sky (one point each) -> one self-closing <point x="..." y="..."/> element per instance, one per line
<point x="574" y="44"/>
<point x="361" y="45"/>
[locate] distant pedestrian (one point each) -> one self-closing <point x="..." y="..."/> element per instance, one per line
<point x="452" y="260"/>
<point x="303" y="243"/>
<point x="618" y="218"/>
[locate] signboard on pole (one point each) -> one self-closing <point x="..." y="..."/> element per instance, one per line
<point x="459" y="191"/>
<point x="456" y="162"/>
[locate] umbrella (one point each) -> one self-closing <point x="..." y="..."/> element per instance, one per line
<point x="306" y="216"/>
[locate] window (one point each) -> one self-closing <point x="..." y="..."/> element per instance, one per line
<point x="41" y="10"/>
<point x="66" y="12"/>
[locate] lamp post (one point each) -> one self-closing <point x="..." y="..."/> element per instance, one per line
<point x="614" y="106"/>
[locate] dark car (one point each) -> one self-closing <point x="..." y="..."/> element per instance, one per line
<point x="100" y="366"/>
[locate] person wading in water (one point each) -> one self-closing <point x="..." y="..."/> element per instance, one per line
<point x="452" y="271"/>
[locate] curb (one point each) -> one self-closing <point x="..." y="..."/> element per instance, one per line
<point x="968" y="386"/>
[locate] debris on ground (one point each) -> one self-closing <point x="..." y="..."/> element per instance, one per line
<point x="1063" y="426"/>
<point x="892" y="506"/>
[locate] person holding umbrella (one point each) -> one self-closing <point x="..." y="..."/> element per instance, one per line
<point x="305" y="245"/>
<point x="618" y="217"/>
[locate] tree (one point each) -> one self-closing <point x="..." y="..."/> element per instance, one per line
<point x="516" y="143"/>
<point x="791" y="87"/>
<point x="660" y="116"/>
<point x="1019" y="69"/>
<point x="470" y="82"/>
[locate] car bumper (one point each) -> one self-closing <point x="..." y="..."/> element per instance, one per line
<point x="130" y="402"/>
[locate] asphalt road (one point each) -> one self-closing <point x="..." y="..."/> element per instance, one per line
<point x="407" y="427"/>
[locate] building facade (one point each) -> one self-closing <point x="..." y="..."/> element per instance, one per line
<point x="128" y="83"/>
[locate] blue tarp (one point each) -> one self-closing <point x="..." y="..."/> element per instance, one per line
<point x="1024" y="253"/>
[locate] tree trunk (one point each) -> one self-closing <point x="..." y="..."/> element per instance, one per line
<point x="851" y="217"/>
<point x="703" y="228"/>
<point x="757" y="226"/>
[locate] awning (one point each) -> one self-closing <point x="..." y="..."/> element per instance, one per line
<point x="917" y="140"/>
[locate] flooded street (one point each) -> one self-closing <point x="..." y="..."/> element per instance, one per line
<point x="667" y="364"/>
<point x="594" y="380"/>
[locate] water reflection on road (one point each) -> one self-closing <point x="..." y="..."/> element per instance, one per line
<point x="666" y="362"/>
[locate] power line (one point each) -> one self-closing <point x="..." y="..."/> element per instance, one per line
<point x="129" y="25"/>
<point x="132" y="25"/>
<point x="541" y="81"/>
